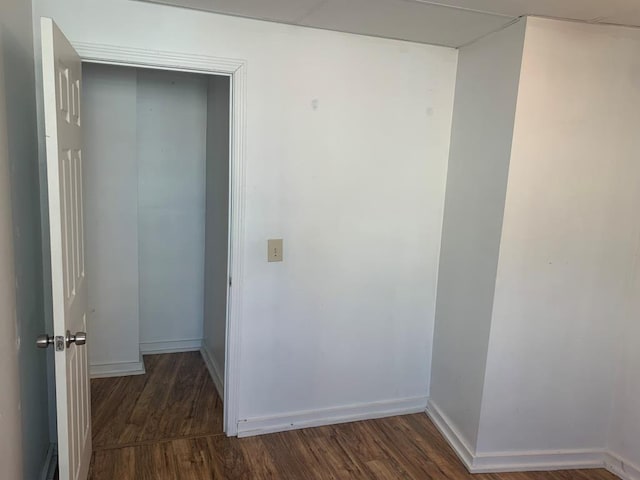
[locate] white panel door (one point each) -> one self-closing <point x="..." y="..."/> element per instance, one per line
<point x="61" y="79"/>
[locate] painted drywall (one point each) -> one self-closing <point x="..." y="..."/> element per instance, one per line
<point x="624" y="432"/>
<point x="11" y="439"/>
<point x="346" y="155"/>
<point x="171" y="151"/>
<point x="23" y="315"/>
<point x="111" y="213"/>
<point x="569" y="235"/>
<point x="624" y="429"/>
<point x="484" y="110"/>
<point x="217" y="222"/>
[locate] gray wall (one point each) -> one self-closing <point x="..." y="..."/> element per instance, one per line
<point x="171" y="126"/>
<point x="217" y="222"/>
<point x="111" y="213"/>
<point x="19" y="148"/>
<point x="484" y="111"/>
<point x="10" y="440"/>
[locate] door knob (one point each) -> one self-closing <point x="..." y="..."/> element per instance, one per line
<point x="43" y="341"/>
<point x="80" y="338"/>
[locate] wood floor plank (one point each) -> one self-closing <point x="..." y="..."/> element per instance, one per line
<point x="291" y="455"/>
<point x="260" y="464"/>
<point x="227" y="458"/>
<point x="167" y="425"/>
<point x="329" y="457"/>
<point x="111" y="400"/>
<point x="175" y="398"/>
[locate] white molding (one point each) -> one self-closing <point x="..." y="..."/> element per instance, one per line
<point x="214" y="369"/>
<point x="171" y="346"/>
<point x="330" y="416"/>
<point x="236" y="69"/>
<point x="50" y="463"/>
<point x="527" y="461"/>
<point x="164" y="60"/>
<point x="117" y="369"/>
<point x="457" y="441"/>
<point x="621" y="467"/>
<point x="231" y="399"/>
<point x="517" y="461"/>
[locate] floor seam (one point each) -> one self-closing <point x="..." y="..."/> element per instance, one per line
<point x="144" y="443"/>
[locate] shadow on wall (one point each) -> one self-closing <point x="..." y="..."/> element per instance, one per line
<point x="19" y="81"/>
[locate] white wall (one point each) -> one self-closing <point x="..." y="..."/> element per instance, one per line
<point x="355" y="187"/>
<point x="24" y="420"/>
<point x="171" y="150"/>
<point x="624" y="432"/>
<point x="624" y="428"/>
<point x="484" y="110"/>
<point x="11" y="438"/>
<point x="569" y="236"/>
<point x="111" y="213"/>
<point x="217" y="223"/>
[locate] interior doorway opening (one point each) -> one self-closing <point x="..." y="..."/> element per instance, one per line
<point x="156" y="146"/>
<point x="64" y="200"/>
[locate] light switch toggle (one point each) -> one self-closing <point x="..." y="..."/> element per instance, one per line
<point x="274" y="250"/>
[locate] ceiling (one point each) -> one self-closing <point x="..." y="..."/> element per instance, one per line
<point x="443" y="22"/>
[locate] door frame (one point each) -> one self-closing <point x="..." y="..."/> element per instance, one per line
<point x="236" y="70"/>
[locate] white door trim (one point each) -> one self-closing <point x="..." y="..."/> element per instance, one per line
<point x="236" y="69"/>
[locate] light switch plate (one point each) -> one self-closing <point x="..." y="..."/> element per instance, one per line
<point x="274" y="250"/>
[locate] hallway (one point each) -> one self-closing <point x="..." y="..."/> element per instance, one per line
<point x="167" y="425"/>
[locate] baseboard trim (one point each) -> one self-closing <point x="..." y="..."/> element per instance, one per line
<point x="519" y="461"/>
<point x="330" y="416"/>
<point x="171" y="346"/>
<point x="621" y="467"/>
<point x="50" y="463"/>
<point x="528" y="461"/>
<point x="214" y="370"/>
<point x="451" y="434"/>
<point x="117" y="369"/>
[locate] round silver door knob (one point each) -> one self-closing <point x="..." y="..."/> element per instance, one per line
<point x="80" y="338"/>
<point x="43" y="341"/>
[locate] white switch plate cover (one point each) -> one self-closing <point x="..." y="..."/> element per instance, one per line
<point x="274" y="250"/>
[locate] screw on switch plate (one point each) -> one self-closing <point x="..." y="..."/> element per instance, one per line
<point x="274" y="250"/>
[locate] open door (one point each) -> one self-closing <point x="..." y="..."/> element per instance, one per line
<point x="61" y="80"/>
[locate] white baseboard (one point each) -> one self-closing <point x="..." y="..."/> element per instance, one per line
<point x="621" y="467"/>
<point x="329" y="416"/>
<point x="171" y="346"/>
<point x="518" y="461"/>
<point x="457" y="441"/>
<point x="50" y="463"/>
<point x="121" y="369"/>
<point x="528" y="461"/>
<point x="117" y="369"/>
<point x="214" y="370"/>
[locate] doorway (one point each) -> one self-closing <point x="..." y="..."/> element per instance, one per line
<point x="156" y="229"/>
<point x="235" y="71"/>
<point x="156" y="175"/>
<point x="65" y="155"/>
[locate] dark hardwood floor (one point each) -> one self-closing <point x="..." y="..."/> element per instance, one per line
<point x="176" y="398"/>
<point x="161" y="426"/>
